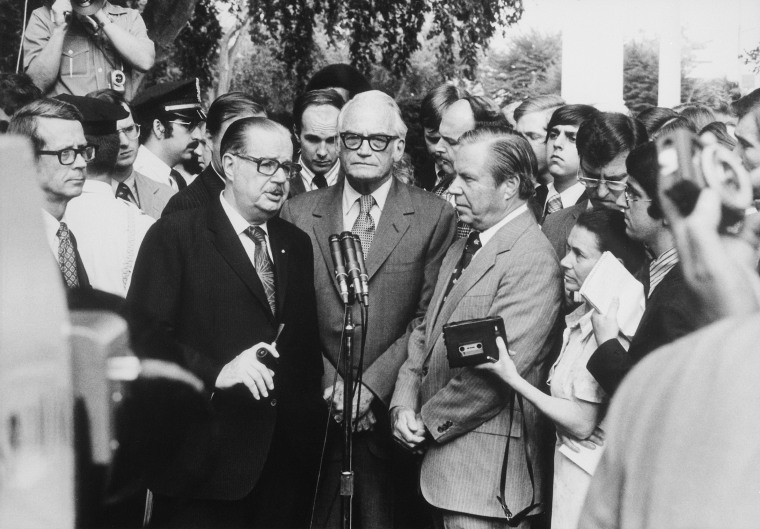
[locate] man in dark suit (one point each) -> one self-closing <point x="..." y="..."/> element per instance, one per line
<point x="603" y="143"/>
<point x="221" y="279"/>
<point x="672" y="310"/>
<point x="461" y="416"/>
<point x="405" y="232"/>
<point x="224" y="111"/>
<point x="61" y="153"/>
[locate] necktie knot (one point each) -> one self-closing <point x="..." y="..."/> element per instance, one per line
<point x="63" y="231"/>
<point x="365" y="203"/>
<point x="257" y="234"/>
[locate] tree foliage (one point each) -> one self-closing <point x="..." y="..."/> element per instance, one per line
<point x="640" y="74"/>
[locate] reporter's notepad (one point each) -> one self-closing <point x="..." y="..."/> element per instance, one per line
<point x="609" y="278"/>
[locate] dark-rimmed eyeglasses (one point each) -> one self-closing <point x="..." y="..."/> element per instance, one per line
<point x="377" y="142"/>
<point x="132" y="132"/>
<point x="269" y="166"/>
<point x="68" y="155"/>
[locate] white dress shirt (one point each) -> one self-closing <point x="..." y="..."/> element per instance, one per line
<point x="308" y="177"/>
<point x="109" y="232"/>
<point x="487" y="235"/>
<point x="351" y="207"/>
<point x="240" y="225"/>
<point x="130" y="183"/>
<point x="569" y="196"/>
<point x="153" y="167"/>
<point x="51" y="225"/>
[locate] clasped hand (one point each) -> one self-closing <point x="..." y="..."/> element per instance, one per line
<point x="246" y="369"/>
<point x="408" y="428"/>
<point x="364" y="418"/>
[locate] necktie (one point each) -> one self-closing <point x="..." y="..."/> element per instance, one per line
<point x="554" y="204"/>
<point x="470" y="249"/>
<point x="67" y="258"/>
<point x="364" y="226"/>
<point x="263" y="264"/>
<point x="319" y="180"/>
<point x="179" y="179"/>
<point x="123" y="192"/>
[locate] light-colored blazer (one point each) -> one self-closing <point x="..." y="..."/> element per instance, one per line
<point x="516" y="276"/>
<point x="153" y="196"/>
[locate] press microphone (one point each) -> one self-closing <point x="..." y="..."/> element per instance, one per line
<point x="349" y="252"/>
<point x="363" y="276"/>
<point x="340" y="269"/>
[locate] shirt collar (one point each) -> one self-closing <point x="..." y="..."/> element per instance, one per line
<point x="95" y="187"/>
<point x="153" y="162"/>
<point x="570" y="195"/>
<point x="351" y="195"/>
<point x="239" y="224"/>
<point x="581" y="318"/>
<point x="330" y="175"/>
<point x="488" y="234"/>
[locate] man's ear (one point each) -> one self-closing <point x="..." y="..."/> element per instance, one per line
<point x="158" y="129"/>
<point x="510" y="187"/>
<point x="228" y="167"/>
<point x="398" y="150"/>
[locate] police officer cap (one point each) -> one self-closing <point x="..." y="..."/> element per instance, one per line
<point x="180" y="98"/>
<point x="99" y="117"/>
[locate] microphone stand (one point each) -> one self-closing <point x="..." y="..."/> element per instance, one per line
<point x="347" y="473"/>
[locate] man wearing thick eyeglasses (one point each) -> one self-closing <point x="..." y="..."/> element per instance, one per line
<point x="169" y="115"/>
<point x="405" y="232"/>
<point x="62" y="153"/>
<point x="128" y="184"/>
<point x="222" y="278"/>
<point x="603" y="144"/>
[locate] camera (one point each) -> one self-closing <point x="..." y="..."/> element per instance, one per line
<point x="473" y="342"/>
<point x="687" y="166"/>
<point x="118" y="80"/>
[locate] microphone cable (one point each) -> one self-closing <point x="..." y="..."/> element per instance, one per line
<point x="23" y="34"/>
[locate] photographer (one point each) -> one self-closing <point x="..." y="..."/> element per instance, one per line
<point x="94" y="46"/>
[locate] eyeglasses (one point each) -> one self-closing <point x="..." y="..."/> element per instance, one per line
<point x="269" y="166"/>
<point x="190" y="125"/>
<point x="594" y="183"/>
<point x="629" y="197"/>
<point x="377" y="142"/>
<point x="68" y="155"/>
<point x="132" y="132"/>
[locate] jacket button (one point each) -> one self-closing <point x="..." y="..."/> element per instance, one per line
<point x="441" y="429"/>
<point x="273" y="402"/>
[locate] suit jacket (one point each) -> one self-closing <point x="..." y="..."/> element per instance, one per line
<point x="414" y="232"/>
<point x="206" y="187"/>
<point x="192" y="276"/>
<point x="84" y="280"/>
<point x="153" y="196"/>
<point x="516" y="276"/>
<point x="557" y="226"/>
<point x="671" y="312"/>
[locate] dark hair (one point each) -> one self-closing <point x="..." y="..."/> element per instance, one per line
<point x="509" y="155"/>
<point x="748" y="103"/>
<point x="677" y="123"/>
<point x="655" y="117"/>
<point x="235" y="138"/>
<point x="17" y="90"/>
<point x="486" y="112"/>
<point x="643" y="167"/>
<point x="106" y="154"/>
<point x="720" y="131"/>
<point x="110" y="96"/>
<point x="229" y="105"/>
<point x="436" y="102"/>
<point x="608" y="225"/>
<point x="537" y="104"/>
<point x="312" y="99"/>
<point x="572" y="115"/>
<point x="606" y="135"/>
<point x="25" y="119"/>
<point x="698" y="116"/>
<point x="146" y="128"/>
<point x="339" y="76"/>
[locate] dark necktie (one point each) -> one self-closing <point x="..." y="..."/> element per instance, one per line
<point x="319" y="180"/>
<point x="181" y="184"/>
<point x="470" y="249"/>
<point x="67" y="258"/>
<point x="364" y="226"/>
<point x="263" y="264"/>
<point x="123" y="192"/>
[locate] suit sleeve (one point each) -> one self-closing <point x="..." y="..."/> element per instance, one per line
<point x="528" y="300"/>
<point x="609" y="364"/>
<point x="380" y="377"/>
<point x="406" y="392"/>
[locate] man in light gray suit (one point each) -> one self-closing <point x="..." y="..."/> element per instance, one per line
<point x="462" y="417"/>
<point x="405" y="233"/>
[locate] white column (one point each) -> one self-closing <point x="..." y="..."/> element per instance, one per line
<point x="669" y="89"/>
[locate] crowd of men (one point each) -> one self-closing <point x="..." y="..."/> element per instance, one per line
<point x="214" y="225"/>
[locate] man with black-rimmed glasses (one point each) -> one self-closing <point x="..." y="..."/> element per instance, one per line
<point x="61" y="154"/>
<point x="405" y="232"/>
<point x="169" y="115"/>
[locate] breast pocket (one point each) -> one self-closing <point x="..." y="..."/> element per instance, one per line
<point x="75" y="58"/>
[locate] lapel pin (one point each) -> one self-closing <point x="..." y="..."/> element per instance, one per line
<point x="282" y="251"/>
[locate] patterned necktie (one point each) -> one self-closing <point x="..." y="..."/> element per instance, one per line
<point x="554" y="204"/>
<point x="319" y="180"/>
<point x="123" y="192"/>
<point x="263" y="264"/>
<point x="179" y="179"/>
<point x="364" y="226"/>
<point x="67" y="258"/>
<point x="470" y="249"/>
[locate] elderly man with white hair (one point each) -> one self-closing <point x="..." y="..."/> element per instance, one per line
<point x="405" y="233"/>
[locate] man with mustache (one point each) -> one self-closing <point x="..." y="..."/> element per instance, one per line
<point x="222" y="279"/>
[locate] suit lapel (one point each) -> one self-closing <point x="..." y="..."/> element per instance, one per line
<point x="394" y="221"/>
<point x="280" y="253"/>
<point x="231" y="249"/>
<point x="483" y="261"/>
<point x="328" y="220"/>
